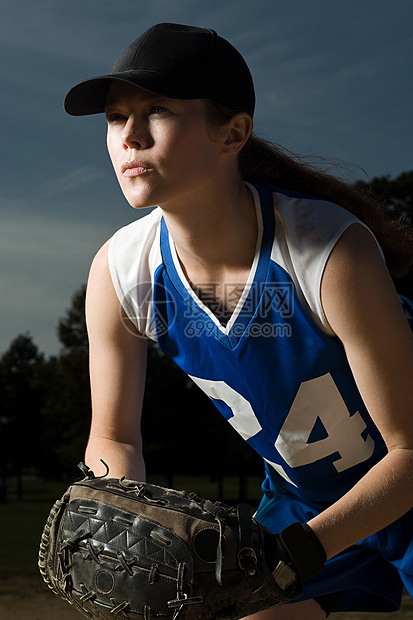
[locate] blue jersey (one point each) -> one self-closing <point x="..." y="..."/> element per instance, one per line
<point x="274" y="370"/>
<point x="281" y="382"/>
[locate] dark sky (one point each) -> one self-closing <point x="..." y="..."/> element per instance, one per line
<point x="333" y="78"/>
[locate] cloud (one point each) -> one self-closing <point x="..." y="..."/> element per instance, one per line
<point x="93" y="32"/>
<point x="44" y="261"/>
<point x="46" y="255"/>
<point x="332" y="78"/>
<point x="69" y="181"/>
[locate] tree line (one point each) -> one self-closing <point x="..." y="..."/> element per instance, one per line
<point x="45" y="401"/>
<point x="45" y="413"/>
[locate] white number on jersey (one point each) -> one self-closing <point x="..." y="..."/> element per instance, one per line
<point x="244" y="419"/>
<point x="320" y="400"/>
<point x="317" y="401"/>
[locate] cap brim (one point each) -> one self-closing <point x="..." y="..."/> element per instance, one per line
<point x="90" y="96"/>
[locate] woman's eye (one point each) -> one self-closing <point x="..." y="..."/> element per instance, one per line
<point x="158" y="109"/>
<point x="114" y="117"/>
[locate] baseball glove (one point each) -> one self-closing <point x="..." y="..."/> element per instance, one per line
<point x="124" y="549"/>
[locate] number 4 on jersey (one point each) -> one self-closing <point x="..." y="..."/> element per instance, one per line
<point x="320" y="400"/>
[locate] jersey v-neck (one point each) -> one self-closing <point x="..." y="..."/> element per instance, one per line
<point x="230" y="333"/>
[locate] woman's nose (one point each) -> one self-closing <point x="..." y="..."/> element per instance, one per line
<point x="135" y="135"/>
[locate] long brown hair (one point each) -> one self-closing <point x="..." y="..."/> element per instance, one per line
<point x="264" y="161"/>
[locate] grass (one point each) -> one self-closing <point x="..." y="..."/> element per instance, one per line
<point x="21" y="524"/>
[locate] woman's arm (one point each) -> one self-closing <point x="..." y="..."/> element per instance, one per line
<point x="365" y="312"/>
<point x="117" y="374"/>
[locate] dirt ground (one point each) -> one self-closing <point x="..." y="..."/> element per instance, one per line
<point x="44" y="605"/>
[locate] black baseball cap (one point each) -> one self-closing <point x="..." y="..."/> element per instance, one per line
<point x="177" y="61"/>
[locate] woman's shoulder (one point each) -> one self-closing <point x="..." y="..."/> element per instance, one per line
<point x="307" y="231"/>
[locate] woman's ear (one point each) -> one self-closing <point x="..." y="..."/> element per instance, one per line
<point x="237" y="133"/>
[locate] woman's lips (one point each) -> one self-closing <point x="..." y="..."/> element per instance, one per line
<point x="134" y="168"/>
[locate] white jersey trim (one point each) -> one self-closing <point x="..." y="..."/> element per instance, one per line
<point x="134" y="256"/>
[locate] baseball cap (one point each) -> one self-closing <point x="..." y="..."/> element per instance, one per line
<point x="177" y="61"/>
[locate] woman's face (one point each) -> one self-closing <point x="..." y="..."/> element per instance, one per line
<point x="163" y="150"/>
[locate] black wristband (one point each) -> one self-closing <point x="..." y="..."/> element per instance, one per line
<point x="316" y="542"/>
<point x="304" y="548"/>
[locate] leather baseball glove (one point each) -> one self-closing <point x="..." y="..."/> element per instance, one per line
<point x="124" y="549"/>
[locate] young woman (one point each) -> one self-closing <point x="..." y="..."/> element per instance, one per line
<point x="269" y="284"/>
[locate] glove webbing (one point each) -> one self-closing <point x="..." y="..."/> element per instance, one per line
<point x="182" y="599"/>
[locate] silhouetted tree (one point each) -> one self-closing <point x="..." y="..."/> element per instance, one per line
<point x="396" y="194"/>
<point x="21" y="402"/>
<point x="67" y="410"/>
<point x="397" y="197"/>
<point x="71" y="329"/>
